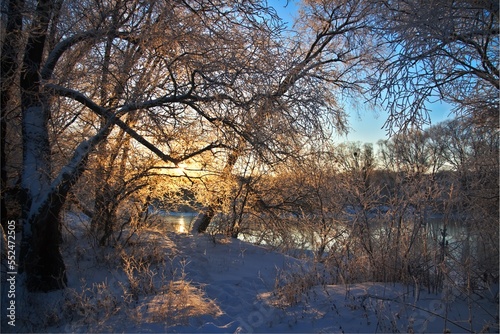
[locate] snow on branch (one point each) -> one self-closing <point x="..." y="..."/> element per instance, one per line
<point x="67" y="43"/>
<point x="62" y="47"/>
<point x="70" y="173"/>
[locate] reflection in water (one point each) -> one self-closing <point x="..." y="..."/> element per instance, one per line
<point x="457" y="235"/>
<point x="179" y="222"/>
<point x="456" y="232"/>
<point x="181" y="227"/>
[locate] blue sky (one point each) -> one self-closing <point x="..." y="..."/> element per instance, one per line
<point x="366" y="126"/>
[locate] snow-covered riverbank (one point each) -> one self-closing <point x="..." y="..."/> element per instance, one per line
<point x="168" y="282"/>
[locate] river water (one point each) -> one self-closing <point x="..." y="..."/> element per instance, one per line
<point x="181" y="222"/>
<point x="458" y="237"/>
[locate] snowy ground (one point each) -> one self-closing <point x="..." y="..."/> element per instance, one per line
<point x="168" y="282"/>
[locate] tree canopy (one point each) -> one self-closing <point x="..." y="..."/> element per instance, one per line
<point x="108" y="95"/>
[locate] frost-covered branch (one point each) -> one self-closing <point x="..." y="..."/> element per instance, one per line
<point x="443" y="50"/>
<point x="108" y="115"/>
<point x="62" y="47"/>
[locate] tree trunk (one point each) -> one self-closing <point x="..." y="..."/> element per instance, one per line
<point x="44" y="264"/>
<point x="101" y="218"/>
<point x="203" y="220"/>
<point x="206" y="217"/>
<point x="108" y="216"/>
<point x="43" y="261"/>
<point x="41" y="257"/>
<point x="9" y="66"/>
<point x="43" y="199"/>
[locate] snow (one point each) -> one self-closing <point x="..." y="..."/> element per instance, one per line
<point x="36" y="167"/>
<point x="213" y="284"/>
<point x="42" y="193"/>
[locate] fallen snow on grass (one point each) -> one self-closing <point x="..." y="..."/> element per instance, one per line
<point x="167" y="282"/>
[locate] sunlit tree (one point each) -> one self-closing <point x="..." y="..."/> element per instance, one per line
<point x="325" y="64"/>
<point x="121" y="73"/>
<point x="125" y="62"/>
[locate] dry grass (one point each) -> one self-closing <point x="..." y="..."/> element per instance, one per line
<point x="91" y="307"/>
<point x="292" y="284"/>
<point x="176" y="305"/>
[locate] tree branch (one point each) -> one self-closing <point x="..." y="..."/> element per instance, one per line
<point x="105" y="113"/>
<point x="59" y="50"/>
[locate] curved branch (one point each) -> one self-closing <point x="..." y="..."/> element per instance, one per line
<point x="59" y="50"/>
<point x="66" y="44"/>
<point x="111" y="117"/>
